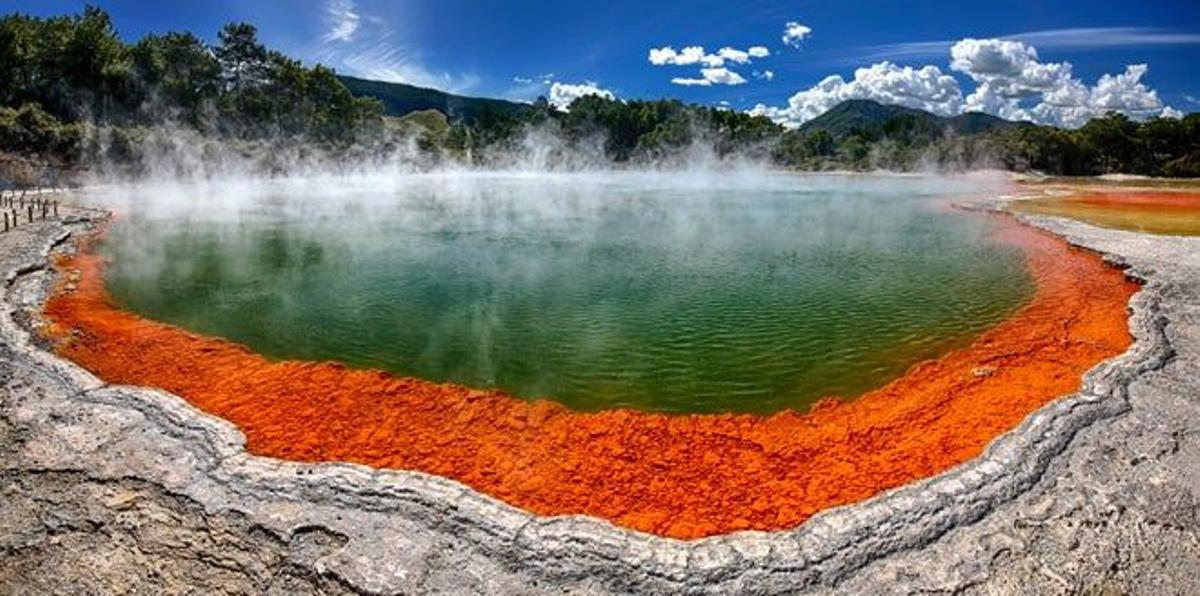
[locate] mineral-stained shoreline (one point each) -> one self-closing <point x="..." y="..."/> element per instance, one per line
<point x="680" y="476"/>
<point x="117" y="489"/>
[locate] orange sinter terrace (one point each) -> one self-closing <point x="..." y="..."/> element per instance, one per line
<point x="683" y="476"/>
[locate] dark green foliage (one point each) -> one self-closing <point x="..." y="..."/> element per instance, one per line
<point x="865" y="134"/>
<point x="873" y="120"/>
<point x="654" y="130"/>
<point x="244" y="61"/>
<point x="973" y="123"/>
<point x="861" y="134"/>
<point x="640" y="131"/>
<point x="73" y="67"/>
<point x="69" y="86"/>
<point x="1050" y="150"/>
<point x="76" y="69"/>
<point x="399" y="99"/>
<point x="651" y="126"/>
<point x="180" y="69"/>
<point x="30" y="129"/>
<point x="1112" y="144"/>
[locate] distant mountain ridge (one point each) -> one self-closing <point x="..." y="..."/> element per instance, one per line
<point x="71" y="80"/>
<point x="850" y="116"/>
<point x="400" y="99"/>
<point x="868" y="116"/>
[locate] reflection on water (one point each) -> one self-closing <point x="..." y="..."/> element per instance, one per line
<point x="598" y="292"/>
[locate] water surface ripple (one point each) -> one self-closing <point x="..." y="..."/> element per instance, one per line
<point x="658" y="293"/>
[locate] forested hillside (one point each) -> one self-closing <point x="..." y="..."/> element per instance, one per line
<point x="73" y="94"/>
<point x="399" y="99"/>
<point x="866" y="134"/>
<point x="76" y="69"/>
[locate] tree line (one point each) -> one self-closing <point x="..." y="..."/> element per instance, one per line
<point x="60" y="75"/>
<point x="1107" y="145"/>
<point x="620" y="132"/>
<point x="655" y="130"/>
<point x="63" y="79"/>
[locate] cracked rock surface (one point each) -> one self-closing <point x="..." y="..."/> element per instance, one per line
<point x="107" y="489"/>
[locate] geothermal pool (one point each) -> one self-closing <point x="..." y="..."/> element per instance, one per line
<point x="668" y="294"/>
<point x="664" y="293"/>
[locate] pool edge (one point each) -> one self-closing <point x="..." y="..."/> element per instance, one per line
<point x="831" y="545"/>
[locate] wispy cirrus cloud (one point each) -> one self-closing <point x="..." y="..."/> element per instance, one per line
<point x="1075" y="38"/>
<point x="364" y="45"/>
<point x="710" y="77"/>
<point x="1105" y="37"/>
<point x="383" y="59"/>
<point x="342" y="19"/>
<point x="525" y="88"/>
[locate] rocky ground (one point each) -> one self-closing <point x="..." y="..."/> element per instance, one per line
<point x="123" y="490"/>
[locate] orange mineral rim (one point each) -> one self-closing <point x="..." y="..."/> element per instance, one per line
<point x="682" y="476"/>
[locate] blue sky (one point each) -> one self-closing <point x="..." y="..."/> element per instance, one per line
<point x="1040" y="60"/>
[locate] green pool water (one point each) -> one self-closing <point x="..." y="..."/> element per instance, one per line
<point x="700" y="293"/>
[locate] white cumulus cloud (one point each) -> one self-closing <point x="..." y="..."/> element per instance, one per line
<point x="713" y="66"/>
<point x="562" y="94"/>
<point x="991" y="58"/>
<point x="1011" y="81"/>
<point x="712" y="76"/>
<point x="1124" y="93"/>
<point x="734" y="55"/>
<point x="667" y="55"/>
<point x="1007" y="72"/>
<point x="794" y="33"/>
<point x="925" y="88"/>
<point x="722" y="76"/>
<point x="696" y="55"/>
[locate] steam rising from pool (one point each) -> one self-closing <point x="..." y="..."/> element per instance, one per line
<point x="736" y="290"/>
